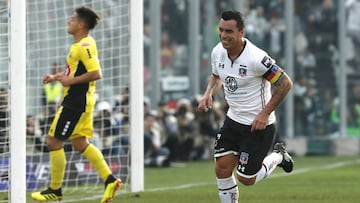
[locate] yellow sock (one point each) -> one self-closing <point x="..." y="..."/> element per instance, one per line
<point x="58" y="164"/>
<point x="96" y="158"/>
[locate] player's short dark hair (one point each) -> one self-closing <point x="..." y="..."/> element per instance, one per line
<point x="234" y="15"/>
<point x="87" y="15"/>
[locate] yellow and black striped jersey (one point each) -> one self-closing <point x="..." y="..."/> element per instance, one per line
<point x="82" y="58"/>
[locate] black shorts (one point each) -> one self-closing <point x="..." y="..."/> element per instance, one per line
<point x="68" y="122"/>
<point x="251" y="147"/>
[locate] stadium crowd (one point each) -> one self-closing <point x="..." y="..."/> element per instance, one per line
<point x="316" y="53"/>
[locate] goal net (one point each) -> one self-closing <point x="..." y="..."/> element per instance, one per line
<point x="47" y="44"/>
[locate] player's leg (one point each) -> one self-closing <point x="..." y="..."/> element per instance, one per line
<point x="96" y="158"/>
<point x="79" y="140"/>
<point x="57" y="170"/>
<point x="227" y="186"/>
<point x="57" y="157"/>
<point x="254" y="164"/>
<point x="226" y="160"/>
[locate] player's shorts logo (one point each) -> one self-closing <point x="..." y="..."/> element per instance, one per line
<point x="244" y="157"/>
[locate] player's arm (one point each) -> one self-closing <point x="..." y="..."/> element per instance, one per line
<point x="212" y="88"/>
<point x="281" y="86"/>
<point x="84" y="78"/>
<point x="52" y="77"/>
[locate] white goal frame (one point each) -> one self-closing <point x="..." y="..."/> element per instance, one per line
<point x="17" y="62"/>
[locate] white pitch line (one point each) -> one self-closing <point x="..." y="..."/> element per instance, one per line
<point x="295" y="172"/>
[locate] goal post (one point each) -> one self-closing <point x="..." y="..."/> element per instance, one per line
<point x="137" y="96"/>
<point x="17" y="62"/>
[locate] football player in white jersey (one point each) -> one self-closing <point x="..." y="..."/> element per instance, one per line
<point x="254" y="86"/>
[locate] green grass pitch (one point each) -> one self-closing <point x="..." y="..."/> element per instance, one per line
<point x="314" y="180"/>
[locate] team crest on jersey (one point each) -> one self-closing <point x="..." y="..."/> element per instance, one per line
<point x="244" y="158"/>
<point x="266" y="61"/>
<point x="242" y="72"/>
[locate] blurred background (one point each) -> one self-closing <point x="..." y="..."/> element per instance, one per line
<point x="315" y="41"/>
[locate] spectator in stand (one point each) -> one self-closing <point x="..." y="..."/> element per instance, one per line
<point x="208" y="125"/>
<point x="169" y="127"/>
<point x="104" y="129"/>
<point x="155" y="154"/>
<point x="323" y="27"/>
<point x="4" y="121"/>
<point x="353" y="27"/>
<point x="256" y="26"/>
<point x="121" y="119"/>
<point x="300" y="89"/>
<point x="52" y="92"/>
<point x="274" y="37"/>
<point x="310" y="102"/>
<point x="186" y="129"/>
<point x="35" y="141"/>
<point x="167" y="50"/>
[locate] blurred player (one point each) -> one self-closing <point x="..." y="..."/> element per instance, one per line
<point x="247" y="74"/>
<point x="73" y="119"/>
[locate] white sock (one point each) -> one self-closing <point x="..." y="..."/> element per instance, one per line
<point x="269" y="164"/>
<point x="228" y="190"/>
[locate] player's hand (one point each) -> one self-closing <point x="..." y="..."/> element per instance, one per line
<point x="48" y="79"/>
<point x="260" y="122"/>
<point x="205" y="103"/>
<point x="65" y="80"/>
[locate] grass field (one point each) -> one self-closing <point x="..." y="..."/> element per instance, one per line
<point x="314" y="180"/>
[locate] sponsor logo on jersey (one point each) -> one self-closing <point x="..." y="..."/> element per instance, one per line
<point x="231" y="84"/>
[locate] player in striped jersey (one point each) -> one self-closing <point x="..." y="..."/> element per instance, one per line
<point x="254" y="86"/>
<point x="74" y="118"/>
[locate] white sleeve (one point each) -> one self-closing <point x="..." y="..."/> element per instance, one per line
<point x="263" y="62"/>
<point x="213" y="63"/>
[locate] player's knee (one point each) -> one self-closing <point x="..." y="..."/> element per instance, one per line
<point x="224" y="166"/>
<point x="223" y="172"/>
<point x="53" y="143"/>
<point x="80" y="144"/>
<point x="246" y="181"/>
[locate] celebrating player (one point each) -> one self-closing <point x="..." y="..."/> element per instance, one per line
<point x="247" y="74"/>
<point x="73" y="119"/>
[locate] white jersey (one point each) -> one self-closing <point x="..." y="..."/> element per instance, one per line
<point x="246" y="81"/>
